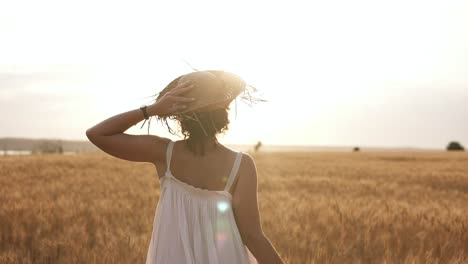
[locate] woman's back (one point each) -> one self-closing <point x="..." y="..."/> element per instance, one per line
<point x="194" y="221"/>
<point x="209" y="171"/>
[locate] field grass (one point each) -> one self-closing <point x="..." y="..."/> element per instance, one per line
<point x="315" y="207"/>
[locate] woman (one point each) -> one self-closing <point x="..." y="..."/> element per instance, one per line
<point x="207" y="211"/>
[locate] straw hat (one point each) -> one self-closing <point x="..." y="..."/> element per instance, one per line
<point x="213" y="90"/>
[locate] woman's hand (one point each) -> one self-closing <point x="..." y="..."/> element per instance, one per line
<point x="173" y="101"/>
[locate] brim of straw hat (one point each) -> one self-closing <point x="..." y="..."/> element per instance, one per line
<point x="213" y="90"/>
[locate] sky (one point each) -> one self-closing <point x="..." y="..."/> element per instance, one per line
<point x="335" y="73"/>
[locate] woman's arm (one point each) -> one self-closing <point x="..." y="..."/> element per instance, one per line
<point x="109" y="135"/>
<point x="245" y="205"/>
<point x="263" y="250"/>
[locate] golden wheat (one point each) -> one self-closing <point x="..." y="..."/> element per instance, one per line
<point x="315" y="207"/>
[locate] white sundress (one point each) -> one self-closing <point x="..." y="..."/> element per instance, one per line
<point x="194" y="225"/>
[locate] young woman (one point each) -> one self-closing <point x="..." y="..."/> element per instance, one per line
<point x="208" y="209"/>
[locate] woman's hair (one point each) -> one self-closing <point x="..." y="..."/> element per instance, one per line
<point x="202" y="126"/>
<point x="197" y="127"/>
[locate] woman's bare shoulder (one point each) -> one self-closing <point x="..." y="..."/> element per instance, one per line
<point x="248" y="162"/>
<point x="247" y="174"/>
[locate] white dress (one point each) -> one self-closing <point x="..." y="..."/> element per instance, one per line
<point x="194" y="225"/>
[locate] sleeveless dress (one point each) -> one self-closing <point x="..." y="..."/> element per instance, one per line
<point x="194" y="225"/>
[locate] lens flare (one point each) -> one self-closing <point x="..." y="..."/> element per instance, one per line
<point x="220" y="239"/>
<point x="222" y="206"/>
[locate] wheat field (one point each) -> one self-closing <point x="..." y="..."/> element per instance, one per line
<point x="366" y="207"/>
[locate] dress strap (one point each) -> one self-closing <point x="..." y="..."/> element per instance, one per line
<point x="170" y="146"/>
<point x="235" y="168"/>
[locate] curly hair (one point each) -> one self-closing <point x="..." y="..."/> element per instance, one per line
<point x="198" y="127"/>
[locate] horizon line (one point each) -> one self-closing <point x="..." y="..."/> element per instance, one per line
<point x="271" y="144"/>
